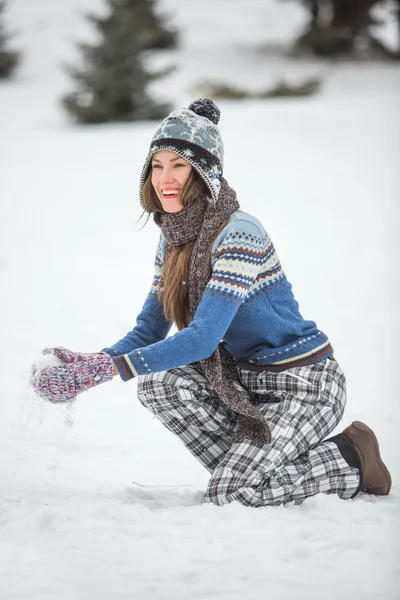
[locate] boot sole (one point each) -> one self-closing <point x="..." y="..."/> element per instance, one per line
<point x="363" y="427"/>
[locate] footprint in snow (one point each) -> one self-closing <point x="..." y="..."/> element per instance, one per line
<point x="163" y="496"/>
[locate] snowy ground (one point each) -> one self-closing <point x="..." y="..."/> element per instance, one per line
<point x="90" y="506"/>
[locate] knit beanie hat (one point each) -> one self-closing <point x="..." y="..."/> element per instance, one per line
<point x="193" y="134"/>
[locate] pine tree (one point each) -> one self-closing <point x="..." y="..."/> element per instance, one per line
<point x="8" y="59"/>
<point x="343" y="28"/>
<point x="112" y="83"/>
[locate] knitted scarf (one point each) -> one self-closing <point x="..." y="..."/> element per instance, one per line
<point x="200" y="221"/>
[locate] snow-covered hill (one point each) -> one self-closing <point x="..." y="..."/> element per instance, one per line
<point x="97" y="501"/>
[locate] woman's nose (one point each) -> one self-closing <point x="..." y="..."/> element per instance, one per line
<point x="166" y="176"/>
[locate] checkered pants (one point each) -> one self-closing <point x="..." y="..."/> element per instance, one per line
<point x="302" y="406"/>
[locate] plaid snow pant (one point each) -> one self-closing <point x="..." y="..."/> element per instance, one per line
<point x="302" y="405"/>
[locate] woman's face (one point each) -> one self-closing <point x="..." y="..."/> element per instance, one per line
<point x="169" y="173"/>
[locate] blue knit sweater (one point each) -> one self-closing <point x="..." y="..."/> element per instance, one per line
<point x="248" y="304"/>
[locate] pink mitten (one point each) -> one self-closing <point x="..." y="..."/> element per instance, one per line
<point x="75" y="373"/>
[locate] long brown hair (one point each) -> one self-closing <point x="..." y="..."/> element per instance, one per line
<point x="174" y="280"/>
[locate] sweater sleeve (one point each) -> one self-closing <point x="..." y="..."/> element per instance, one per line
<point x="235" y="269"/>
<point x="151" y="324"/>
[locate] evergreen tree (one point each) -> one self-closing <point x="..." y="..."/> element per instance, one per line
<point x="8" y="59"/>
<point x="343" y="28"/>
<point x="112" y="83"/>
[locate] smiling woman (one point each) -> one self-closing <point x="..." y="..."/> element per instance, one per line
<point x="169" y="174"/>
<point x="250" y="387"/>
<point x="171" y="185"/>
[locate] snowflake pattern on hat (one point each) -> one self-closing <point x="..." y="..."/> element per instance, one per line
<point x="196" y="138"/>
<point x="186" y="125"/>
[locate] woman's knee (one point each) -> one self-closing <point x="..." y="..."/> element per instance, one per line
<point x="227" y="484"/>
<point x="218" y="490"/>
<point x="149" y="394"/>
<point x="250" y="493"/>
<point x="154" y="393"/>
<point x="165" y="390"/>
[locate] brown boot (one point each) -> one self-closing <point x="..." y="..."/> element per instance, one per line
<point x="375" y="477"/>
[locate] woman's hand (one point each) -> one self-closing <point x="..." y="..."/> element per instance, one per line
<point x="73" y="373"/>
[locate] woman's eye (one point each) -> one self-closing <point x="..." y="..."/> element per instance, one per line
<point x="156" y="166"/>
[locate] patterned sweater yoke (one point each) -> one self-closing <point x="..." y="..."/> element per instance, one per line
<point x="248" y="305"/>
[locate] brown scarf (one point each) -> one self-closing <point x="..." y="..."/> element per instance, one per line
<point x="200" y="221"/>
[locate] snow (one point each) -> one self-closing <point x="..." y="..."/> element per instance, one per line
<point x="96" y="499"/>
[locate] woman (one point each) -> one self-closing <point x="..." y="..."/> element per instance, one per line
<point x="251" y="388"/>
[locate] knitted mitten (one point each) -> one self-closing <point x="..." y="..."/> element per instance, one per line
<point x="74" y="373"/>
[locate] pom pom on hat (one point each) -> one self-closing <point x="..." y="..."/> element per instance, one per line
<point x="205" y="107"/>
